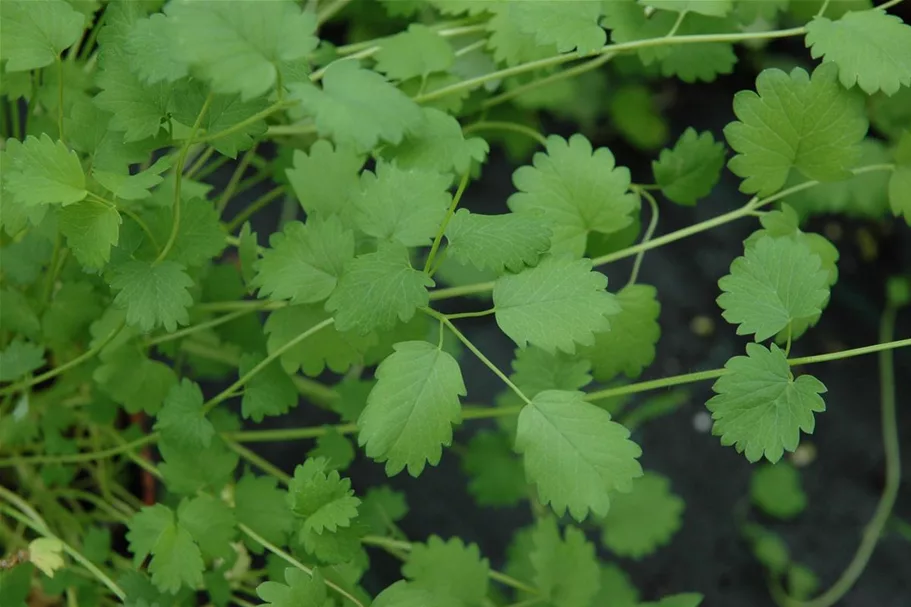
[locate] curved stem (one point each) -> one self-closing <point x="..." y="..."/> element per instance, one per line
<point x="442" y="230"/>
<point x="506" y="126"/>
<point x="235" y="128"/>
<point x="572" y="72"/>
<point x="255" y="206"/>
<point x="649" y="232"/>
<point x="236" y="176"/>
<point x="258" y="461"/>
<point x="154" y="341"/>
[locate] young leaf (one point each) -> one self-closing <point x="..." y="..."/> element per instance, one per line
<point x="510" y="44"/>
<point x="565" y="569"/>
<point x="451" y="569"/>
<point x="497" y="242"/>
<point x="629" y="346"/>
<point x="778" y="281"/>
<point x="404" y="206"/>
<point x="794" y="121"/>
<point x="644" y="519"/>
<point x="616" y="588"/>
<point x="34" y="34"/>
<point x="152" y="295"/>
<point x="182" y="420"/>
<point x="299" y="589"/>
<point x="321" y="497"/>
<point x="305" y="261"/>
<point x="574" y="453"/>
<point x="358" y="107"/>
<point x="211" y="523"/>
<point x="900" y="180"/>
<point x="263" y="507"/>
<point x="133" y="187"/>
<point x="20" y="358"/>
<point x="270" y="392"/>
<point x="555" y="305"/>
<point x="410" y="411"/>
<point x="42" y="171"/>
<point x="759" y="406"/>
<point x="871" y="49"/>
<point x="536" y="370"/>
<point x="691" y="169"/>
<point x="575" y="190"/>
<point x="439" y="145"/>
<point x="567" y="25"/>
<point x="238" y="48"/>
<point x="176" y="559"/>
<point x="325" y="180"/>
<point x="495" y="473"/>
<point x="416" y="52"/>
<point x="377" y="289"/>
<point x="334" y="448"/>
<point x="776" y="489"/>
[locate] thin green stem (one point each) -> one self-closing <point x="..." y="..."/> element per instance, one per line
<point x="471" y="314"/>
<point x="243" y="124"/>
<point x="143" y="226"/>
<point x="649" y="232"/>
<point x="442" y="230"/>
<point x="255" y="206"/>
<point x="293" y="561"/>
<point x="889" y="4"/>
<point x="326" y="13"/>
<point x="513" y="127"/>
<point x="236" y="176"/>
<point x="51" y="273"/>
<point x="678" y="23"/>
<point x="287" y="434"/>
<point x="154" y="341"/>
<point x="258" y="461"/>
<point x="478" y="44"/>
<point x="200" y="162"/>
<point x="645" y="386"/>
<point x="60" y="98"/>
<point x="178" y="178"/>
<point x="298" y="128"/>
<point x="230" y="306"/>
<point x="203" y="172"/>
<point x="446" y="30"/>
<point x="822" y="358"/>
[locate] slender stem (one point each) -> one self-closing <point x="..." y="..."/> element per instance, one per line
<point x="478" y="44"/>
<point x="60" y="98"/>
<point x="142" y="225"/>
<point x="255" y="206"/>
<point x="471" y="314"/>
<point x="678" y="23"/>
<point x="822" y="9"/>
<point x="889" y="4"/>
<point x="203" y="172"/>
<point x="330" y="10"/>
<point x="299" y="128"/>
<point x="230" y="306"/>
<point x="645" y="386"/>
<point x="506" y="126"/>
<point x="236" y="176"/>
<point x="178" y="178"/>
<point x="649" y="232"/>
<point x="243" y="124"/>
<point x="442" y="229"/>
<point x="293" y="561"/>
<point x="446" y="30"/>
<point x="154" y="341"/>
<point x="200" y="162"/>
<point x="258" y="461"/>
<point x="287" y="434"/>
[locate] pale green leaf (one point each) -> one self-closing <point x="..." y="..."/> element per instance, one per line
<point x="452" y="569"/>
<point x="42" y="171"/>
<point x="300" y="589"/>
<point x="133" y="187"/>
<point x="776" y="490"/>
<point x="616" y="589"/>
<point x="439" y="145"/>
<point x="182" y="419"/>
<point x="509" y="43"/>
<point x="154" y="49"/>
<point x="629" y="346"/>
<point x="325" y="180"/>
<point x="691" y="169"/>
<point x="152" y="295"/>
<point x="320" y="497"/>
<point x="713" y="8"/>
<point x="269" y="392"/>
<point x="568" y="25"/>
<point x="91" y="229"/>
<point x="34" y="33"/>
<point x="536" y="370"/>
<point x="641" y="521"/>
<point x="628" y="22"/>
<point x="20" y="358"/>
<point x="565" y="568"/>
<point x="404" y="594"/>
<point x="263" y="507"/>
<point x="415" y="52"/>
<point x="497" y="242"/>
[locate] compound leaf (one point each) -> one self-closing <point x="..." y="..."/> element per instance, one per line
<point x="153" y="295"/>
<point x="691" y="169"/>
<point x="320" y="497"/>
<point x="759" y="406"/>
<point x="418" y="51"/>
<point x="644" y="519"/>
<point x="452" y="569"/>
<point x="42" y="171"/>
<point x="412" y="407"/>
<point x="33" y="34"/>
<point x="629" y="346"/>
<point x="574" y="453"/>
<point x="555" y="305"/>
<point x="182" y="419"/>
<point x="497" y="242"/>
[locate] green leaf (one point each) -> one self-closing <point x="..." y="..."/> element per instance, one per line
<point x="567" y="25"/>
<point x="404" y="206"/>
<point x="182" y="419"/>
<point x="403" y="594"/>
<point x="154" y="50"/>
<point x="138" y="109"/>
<point x="176" y="559"/>
<point x="343" y="546"/>
<point x="616" y="589"/>
<point x="575" y="190"/>
<point x="510" y="44"/>
<point x="452" y="569"/>
<point x="691" y="169"/>
<point x="382" y="507"/>
<point x="326" y="179"/>
<point x="305" y="261"/>
<point x="188" y="471"/>
<point x="145" y="529"/>
<point x="574" y="453"/>
<point x="334" y="448"/>
<point x="269" y="392"/>
<point x="794" y="121"/>
<point x="871" y="49"/>
<point x="778" y="281"/>
<point x="34" y="34"/>
<point x="701" y="61"/>
<point x="263" y="507"/>
<point x="628" y="22"/>
<point x="690" y="599"/>
<point x="299" y="589"/>
<point x="629" y="346"/>
<point x="410" y="411"/>
<point x="224" y="112"/>
<point x="20" y="358"/>
<point x="497" y="242"/>
<point x="238" y="47"/>
<point x="149" y="384"/>
<point x="634" y="109"/>
<point x="713" y="8"/>
<point x="565" y="569"/>
<point x="776" y="489"/>
<point x="536" y="370"/>
<point x="42" y="171"/>
<point x="200" y="236"/>
<point x="439" y="145"/>
<point x="555" y="305"/>
<point x="358" y="107"/>
<point x="759" y="406"/>
<point x="330" y="348"/>
<point x="91" y="229"/>
<point x="415" y="52"/>
<point x="377" y="289"/>
<point x="19" y="314"/>
<point x="133" y="187"/>
<point x="495" y="474"/>
<point x="641" y="521"/>
<point x="211" y="523"/>
<point x="152" y="295"/>
<point x="321" y="497"/>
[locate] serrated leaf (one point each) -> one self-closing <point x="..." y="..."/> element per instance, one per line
<point x="900" y="192"/>
<point x="382" y="507"/>
<point x="20" y="358"/>
<point x="629" y="346"/>
<point x="759" y="406"/>
<point x="42" y="171"/>
<point x="133" y="187"/>
<point x="238" y="47"/>
<point x="321" y="497"/>
<point x="616" y="589"/>
<point x="152" y="295"/>
<point x="871" y="49"/>
<point x="565" y="568"/>
<point x="411" y="410"/>
<point x="776" y="490"/>
<point x="150" y="380"/>
<point x="403" y="594"/>
<point x="334" y="448"/>
<point x="138" y="109"/>
<point x="574" y="453"/>
<point x="643" y="519"/>
<point x="154" y="50"/>
<point x="300" y="589"/>
<point x="188" y="471"/>
<point x="450" y="568"/>
<point x="776" y="282"/>
<point x="712" y="8"/>
<point x="325" y="180"/>
<point x="701" y="61"/>
<point x="415" y="52"/>
<point x="536" y="370"/>
<point x="568" y="26"/>
<point x="330" y="348"/>
<point x="495" y="474"/>
<point x="342" y="546"/>
<point x="304" y="261"/>
<point x="182" y="419"/>
<point x="19" y="314"/>
<point x="91" y="229"/>
<point x="576" y="190"/>
<point x="269" y="392"/>
<point x="794" y="121"/>
<point x="634" y="110"/>
<point x="439" y="145"/>
<point x="358" y="107"/>
<point x="263" y="507"/>
<point x="211" y="523"/>
<point x="34" y="34"/>
<point x="176" y="559"/>
<point x="224" y="112"/>
<point x="510" y="44"/>
<point x="497" y="242"/>
<point x="691" y="169"/>
<point x="377" y="289"/>
<point x="554" y="306"/>
<point x="200" y="235"/>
